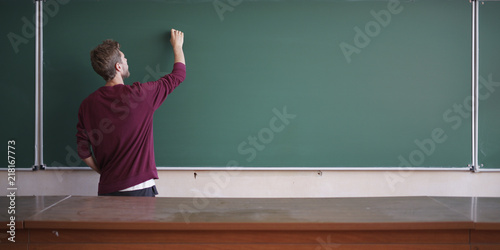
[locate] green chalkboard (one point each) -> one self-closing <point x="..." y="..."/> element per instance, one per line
<point x="489" y="101"/>
<point x="277" y="83"/>
<point x="17" y="80"/>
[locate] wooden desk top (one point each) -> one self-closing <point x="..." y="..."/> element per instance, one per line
<point x="484" y="211"/>
<point x="376" y="213"/>
<point x="381" y="213"/>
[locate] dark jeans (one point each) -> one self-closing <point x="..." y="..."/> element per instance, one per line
<point x="147" y="192"/>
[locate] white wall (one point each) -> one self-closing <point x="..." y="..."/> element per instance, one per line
<point x="269" y="183"/>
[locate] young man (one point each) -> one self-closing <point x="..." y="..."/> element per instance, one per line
<point x="115" y="123"/>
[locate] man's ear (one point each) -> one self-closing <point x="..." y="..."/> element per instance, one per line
<point x="118" y="67"/>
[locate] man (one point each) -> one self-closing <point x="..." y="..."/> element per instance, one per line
<point x="115" y="123"/>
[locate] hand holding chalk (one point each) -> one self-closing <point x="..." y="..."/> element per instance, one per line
<point x="176" y="38"/>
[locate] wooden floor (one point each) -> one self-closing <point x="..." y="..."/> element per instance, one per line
<point x="71" y="222"/>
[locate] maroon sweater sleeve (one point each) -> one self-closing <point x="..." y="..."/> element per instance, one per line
<point x="165" y="85"/>
<point x="82" y="140"/>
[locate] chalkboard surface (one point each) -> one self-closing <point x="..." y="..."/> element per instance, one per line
<point x="277" y="83"/>
<point x="17" y="80"/>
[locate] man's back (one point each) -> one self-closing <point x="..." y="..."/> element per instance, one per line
<point x="118" y="122"/>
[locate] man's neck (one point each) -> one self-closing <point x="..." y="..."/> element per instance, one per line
<point x="115" y="81"/>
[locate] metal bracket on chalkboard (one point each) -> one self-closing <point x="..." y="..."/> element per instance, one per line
<point x="38" y="167"/>
<point x="475" y="168"/>
<point x="34" y="1"/>
<point x="472" y="168"/>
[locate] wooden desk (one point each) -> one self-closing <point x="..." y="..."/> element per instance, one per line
<point x="245" y="223"/>
<point x="25" y="207"/>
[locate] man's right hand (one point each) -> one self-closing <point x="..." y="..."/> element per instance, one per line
<point x="177" y="40"/>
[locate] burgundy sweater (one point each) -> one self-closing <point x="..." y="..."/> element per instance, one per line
<point x="116" y="124"/>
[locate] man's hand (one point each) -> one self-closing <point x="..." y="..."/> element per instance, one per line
<point x="92" y="164"/>
<point x="177" y="40"/>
